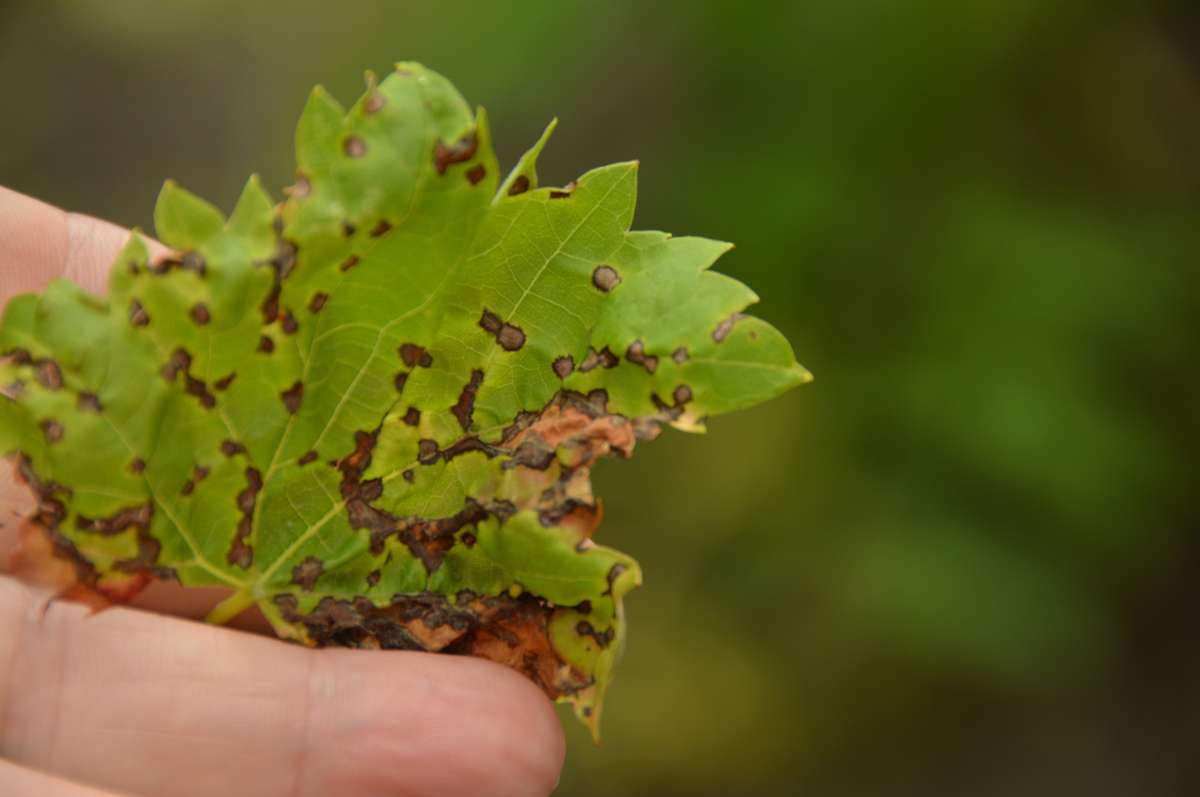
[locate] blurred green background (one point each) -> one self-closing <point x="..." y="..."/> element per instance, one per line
<point x="966" y="559"/>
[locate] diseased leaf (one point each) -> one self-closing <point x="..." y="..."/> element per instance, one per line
<point x="372" y="409"/>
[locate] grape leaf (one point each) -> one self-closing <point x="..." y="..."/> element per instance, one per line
<point x="371" y="410"/>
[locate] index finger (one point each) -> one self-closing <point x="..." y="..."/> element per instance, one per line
<point x="39" y="242"/>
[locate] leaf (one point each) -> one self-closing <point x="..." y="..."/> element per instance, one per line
<point x="372" y="410"/>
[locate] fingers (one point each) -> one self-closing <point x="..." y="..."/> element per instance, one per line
<point x="18" y="781"/>
<point x="155" y="706"/>
<point x="39" y="242"/>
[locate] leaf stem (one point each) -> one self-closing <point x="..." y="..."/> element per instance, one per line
<point x="230" y="608"/>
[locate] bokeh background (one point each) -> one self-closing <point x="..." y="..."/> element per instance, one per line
<point x="965" y="560"/>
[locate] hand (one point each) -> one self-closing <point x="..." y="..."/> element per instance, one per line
<point x="127" y="701"/>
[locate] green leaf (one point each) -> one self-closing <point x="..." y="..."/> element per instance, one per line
<point x="372" y="410"/>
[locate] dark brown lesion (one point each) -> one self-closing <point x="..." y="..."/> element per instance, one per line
<point x="317" y="302"/>
<point x="415" y="356"/>
<point x="460" y="152"/>
<point x="412" y="416"/>
<point x="636" y="353"/>
<point x="265" y="344"/>
<point x="305" y="574"/>
<point x="374" y="103"/>
<point x="282" y="263"/>
<point x="349" y="263"/>
<point x="400" y="380"/>
<point x="519" y="185"/>
<point x="46" y="555"/>
<point x="381" y="228"/>
<point x="137" y="314"/>
<point x="605" y="278"/>
<point x="288" y="323"/>
<point x="354" y="146"/>
<point x="723" y="329"/>
<point x="224" y="382"/>
<point x="180" y="362"/>
<point x="563" y="366"/>
<point x="241" y="554"/>
<point x="199" y="313"/>
<point x="476" y="174"/>
<point x="565" y="192"/>
<point x="293" y="397"/>
<point x="602" y="638"/>
<point x="509" y="336"/>
<point x="301" y="188"/>
<point x="232" y="448"/>
<point x="89" y="402"/>
<point x="464" y="408"/>
<point x="309" y="456"/>
<point x="680" y="355"/>
<point x="191" y="261"/>
<point x="511" y="631"/>
<point x="599" y="359"/>
<point x="52" y="430"/>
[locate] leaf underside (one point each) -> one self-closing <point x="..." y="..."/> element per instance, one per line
<point x="372" y="409"/>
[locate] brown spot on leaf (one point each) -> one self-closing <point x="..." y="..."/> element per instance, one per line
<point x="266" y="345"/>
<point x="564" y="366"/>
<point x="231" y="448"/>
<point x="603" y="358"/>
<point x="400" y="380"/>
<point x="200" y="314"/>
<point x="412" y="417"/>
<point x="427" y="451"/>
<point x="414" y="355"/>
<point x="241" y="554"/>
<point x="509" y="337"/>
<point x="680" y="355"/>
<point x="310" y="456"/>
<point x="682" y="395"/>
<point x="89" y="402"/>
<point x="381" y="228"/>
<point x="224" y="382"/>
<point x="52" y="429"/>
<point x="292" y="397"/>
<point x="465" y="406"/>
<point x="460" y="152"/>
<point x="200" y="390"/>
<point x="289" y="323"/>
<point x="636" y="353"/>
<point x="374" y="103"/>
<point x="476" y="174"/>
<point x="349" y="263"/>
<point x="585" y="628"/>
<point x="305" y="574"/>
<point x="301" y="188"/>
<point x="408" y="475"/>
<point x="605" y="278"/>
<point x="519" y="185"/>
<point x="725" y="327"/>
<point x="137" y="465"/>
<point x="317" y="302"/>
<point x="48" y="375"/>
<point x="188" y="488"/>
<point x="199" y="472"/>
<point x="137" y="314"/>
<point x="372" y="578"/>
<point x="354" y="146"/>
<point x="348" y="229"/>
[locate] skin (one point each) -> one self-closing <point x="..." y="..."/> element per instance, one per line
<point x="143" y="700"/>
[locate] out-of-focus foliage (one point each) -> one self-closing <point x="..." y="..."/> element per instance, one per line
<point x="966" y="559"/>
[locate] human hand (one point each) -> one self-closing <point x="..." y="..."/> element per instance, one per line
<point x="130" y="701"/>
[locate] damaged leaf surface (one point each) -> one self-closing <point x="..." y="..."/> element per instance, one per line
<point x="372" y="409"/>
